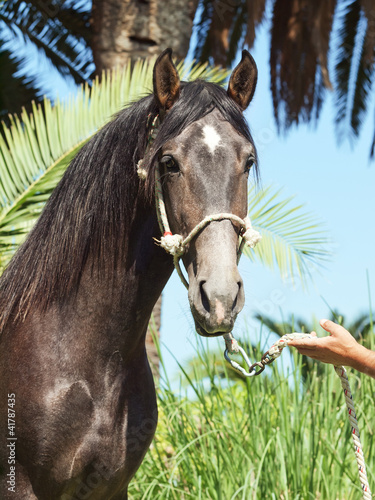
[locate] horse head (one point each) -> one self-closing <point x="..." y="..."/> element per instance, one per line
<point x="204" y="170"/>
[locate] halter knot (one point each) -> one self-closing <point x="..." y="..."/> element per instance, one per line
<point x="251" y="235"/>
<point x="172" y="243"/>
<point x="142" y="172"/>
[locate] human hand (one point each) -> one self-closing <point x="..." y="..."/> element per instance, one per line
<point x="339" y="348"/>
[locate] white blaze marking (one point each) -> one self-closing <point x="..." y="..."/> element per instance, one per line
<point x="220" y="312"/>
<point x="211" y="138"/>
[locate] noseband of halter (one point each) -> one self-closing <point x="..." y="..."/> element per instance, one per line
<point x="175" y="244"/>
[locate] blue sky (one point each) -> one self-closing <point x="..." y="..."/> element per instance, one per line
<point x="335" y="183"/>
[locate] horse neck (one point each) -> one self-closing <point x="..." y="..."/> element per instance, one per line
<point x="119" y="301"/>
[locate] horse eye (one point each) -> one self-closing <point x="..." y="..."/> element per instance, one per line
<point x="170" y="163"/>
<point x="250" y="162"/>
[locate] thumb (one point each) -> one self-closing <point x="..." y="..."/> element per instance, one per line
<point x="331" y="327"/>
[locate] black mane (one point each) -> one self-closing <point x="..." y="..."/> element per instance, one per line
<point x="89" y="213"/>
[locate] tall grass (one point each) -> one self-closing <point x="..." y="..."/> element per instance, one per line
<point x="269" y="437"/>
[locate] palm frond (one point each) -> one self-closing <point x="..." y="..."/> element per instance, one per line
<point x="237" y="33"/>
<point x="372" y="149"/>
<point x="274" y="326"/>
<point x="362" y="88"/>
<point x="368" y="10"/>
<point x="291" y="238"/>
<point x="196" y="70"/>
<point x="55" y="30"/>
<point x="348" y="19"/>
<point x="321" y="34"/>
<point x="255" y="15"/>
<point x="36" y="148"/>
<point x="225" y="27"/>
<point x="15" y="91"/>
<point x="354" y="69"/>
<point x="74" y="17"/>
<point x="300" y="35"/>
<point x="202" y="47"/>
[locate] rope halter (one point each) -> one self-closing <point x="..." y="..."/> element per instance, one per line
<point x="176" y="244"/>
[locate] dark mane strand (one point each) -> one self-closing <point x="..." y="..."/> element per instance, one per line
<point x="91" y="209"/>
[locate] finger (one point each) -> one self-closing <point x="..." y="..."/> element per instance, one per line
<point x="331" y="327"/>
<point x="302" y="345"/>
<point x="309" y="342"/>
<point x="304" y="341"/>
<point x="307" y="352"/>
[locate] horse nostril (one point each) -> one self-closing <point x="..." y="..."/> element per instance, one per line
<point x="239" y="284"/>
<point x="204" y="298"/>
<point x="239" y="299"/>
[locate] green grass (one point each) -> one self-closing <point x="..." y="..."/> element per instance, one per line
<point x="269" y="437"/>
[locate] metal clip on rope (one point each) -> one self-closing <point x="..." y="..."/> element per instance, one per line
<point x="232" y="347"/>
<point x="252" y="371"/>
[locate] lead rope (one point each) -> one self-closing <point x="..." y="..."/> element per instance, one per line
<point x="176" y="245"/>
<point x="274" y="352"/>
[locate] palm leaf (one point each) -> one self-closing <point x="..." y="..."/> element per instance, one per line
<point x="15" y="91"/>
<point x="362" y="88"/>
<point x="202" y="47"/>
<point x="57" y="30"/>
<point x="372" y="149"/>
<point x="224" y="27"/>
<point x="36" y="148"/>
<point x="291" y="238"/>
<point x="349" y="19"/>
<point x="354" y="69"/>
<point x="238" y="32"/>
<point x="74" y="17"/>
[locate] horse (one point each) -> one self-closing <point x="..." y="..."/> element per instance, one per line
<point x="78" y="404"/>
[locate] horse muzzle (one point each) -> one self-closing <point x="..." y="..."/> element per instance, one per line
<point x="216" y="302"/>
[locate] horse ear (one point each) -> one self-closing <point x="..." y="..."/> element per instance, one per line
<point x="166" y="81"/>
<point x="243" y="81"/>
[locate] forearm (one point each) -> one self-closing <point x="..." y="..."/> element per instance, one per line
<point x="363" y="360"/>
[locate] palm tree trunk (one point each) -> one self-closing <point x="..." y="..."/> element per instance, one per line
<point x="131" y="29"/>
